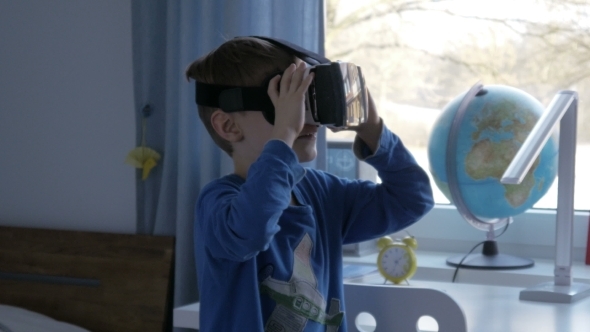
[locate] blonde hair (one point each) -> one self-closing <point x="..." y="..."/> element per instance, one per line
<point x="244" y="62"/>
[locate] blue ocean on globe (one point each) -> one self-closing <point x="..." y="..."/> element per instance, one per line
<point x="495" y="125"/>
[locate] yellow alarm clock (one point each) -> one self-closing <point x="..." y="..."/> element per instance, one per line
<point x="397" y="261"/>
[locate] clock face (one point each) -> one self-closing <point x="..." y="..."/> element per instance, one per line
<point x="396" y="262"/>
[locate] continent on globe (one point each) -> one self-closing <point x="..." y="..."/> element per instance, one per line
<point x="509" y="122"/>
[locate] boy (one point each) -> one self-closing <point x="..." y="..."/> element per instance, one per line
<point x="268" y="238"/>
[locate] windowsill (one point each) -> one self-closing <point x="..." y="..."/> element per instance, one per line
<point x="432" y="267"/>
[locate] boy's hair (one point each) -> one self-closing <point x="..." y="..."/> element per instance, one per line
<point x="243" y="61"/>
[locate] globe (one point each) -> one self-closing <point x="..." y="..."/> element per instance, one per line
<point x="495" y="124"/>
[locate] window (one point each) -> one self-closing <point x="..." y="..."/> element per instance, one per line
<point x="417" y="56"/>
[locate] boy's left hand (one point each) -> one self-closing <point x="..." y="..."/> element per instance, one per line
<point x="369" y="131"/>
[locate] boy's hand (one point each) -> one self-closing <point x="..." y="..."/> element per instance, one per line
<point x="289" y="102"/>
<point x="369" y="131"/>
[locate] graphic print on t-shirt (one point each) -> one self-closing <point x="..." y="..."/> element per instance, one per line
<point x="298" y="299"/>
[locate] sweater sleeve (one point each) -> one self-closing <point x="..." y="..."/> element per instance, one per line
<point x="237" y="219"/>
<point x="402" y="198"/>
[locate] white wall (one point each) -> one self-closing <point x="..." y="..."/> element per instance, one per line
<point x="66" y="115"/>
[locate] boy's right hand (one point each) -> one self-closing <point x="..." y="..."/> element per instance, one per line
<point x="289" y="102"/>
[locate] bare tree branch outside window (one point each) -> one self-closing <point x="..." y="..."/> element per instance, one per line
<point x="418" y="55"/>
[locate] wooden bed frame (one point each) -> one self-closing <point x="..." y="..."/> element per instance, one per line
<point x="98" y="281"/>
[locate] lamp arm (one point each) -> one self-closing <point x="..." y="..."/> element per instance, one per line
<point x="532" y="146"/>
<point x="563" y="108"/>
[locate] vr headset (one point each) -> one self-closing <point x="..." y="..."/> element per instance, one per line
<point x="337" y="96"/>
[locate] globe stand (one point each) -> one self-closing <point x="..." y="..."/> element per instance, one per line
<point x="489" y="258"/>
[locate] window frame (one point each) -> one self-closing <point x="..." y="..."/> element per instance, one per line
<point x="531" y="234"/>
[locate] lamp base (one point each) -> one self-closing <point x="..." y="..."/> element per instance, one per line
<point x="549" y="292"/>
<point x="490" y="259"/>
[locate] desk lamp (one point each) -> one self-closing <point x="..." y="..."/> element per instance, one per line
<point x="563" y="108"/>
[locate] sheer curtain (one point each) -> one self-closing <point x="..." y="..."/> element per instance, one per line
<point x="167" y="36"/>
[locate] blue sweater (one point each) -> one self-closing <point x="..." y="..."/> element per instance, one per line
<point x="265" y="264"/>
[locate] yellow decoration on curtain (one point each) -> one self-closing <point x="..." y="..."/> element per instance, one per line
<point x="142" y="156"/>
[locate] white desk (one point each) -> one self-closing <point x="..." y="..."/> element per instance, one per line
<point x="186" y="316"/>
<point x="489" y="299"/>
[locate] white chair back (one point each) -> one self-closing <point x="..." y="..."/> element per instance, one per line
<point x="399" y="308"/>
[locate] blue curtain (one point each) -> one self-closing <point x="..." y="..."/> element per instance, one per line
<point x="167" y="36"/>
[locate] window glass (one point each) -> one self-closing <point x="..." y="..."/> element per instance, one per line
<point x="417" y="56"/>
<point x="341" y="160"/>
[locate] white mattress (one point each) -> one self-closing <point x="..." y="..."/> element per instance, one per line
<point x="15" y="319"/>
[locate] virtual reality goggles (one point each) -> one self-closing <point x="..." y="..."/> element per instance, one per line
<point x="336" y="97"/>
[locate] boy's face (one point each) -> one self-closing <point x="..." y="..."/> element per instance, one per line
<point x="257" y="132"/>
<point x="305" y="145"/>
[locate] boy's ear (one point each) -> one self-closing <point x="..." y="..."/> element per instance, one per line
<point x="225" y="126"/>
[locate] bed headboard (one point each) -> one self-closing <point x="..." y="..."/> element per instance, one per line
<point x="99" y="281"/>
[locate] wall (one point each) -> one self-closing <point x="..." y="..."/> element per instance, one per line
<point x="66" y="115"/>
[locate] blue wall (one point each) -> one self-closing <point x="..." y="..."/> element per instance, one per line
<point x="66" y="115"/>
